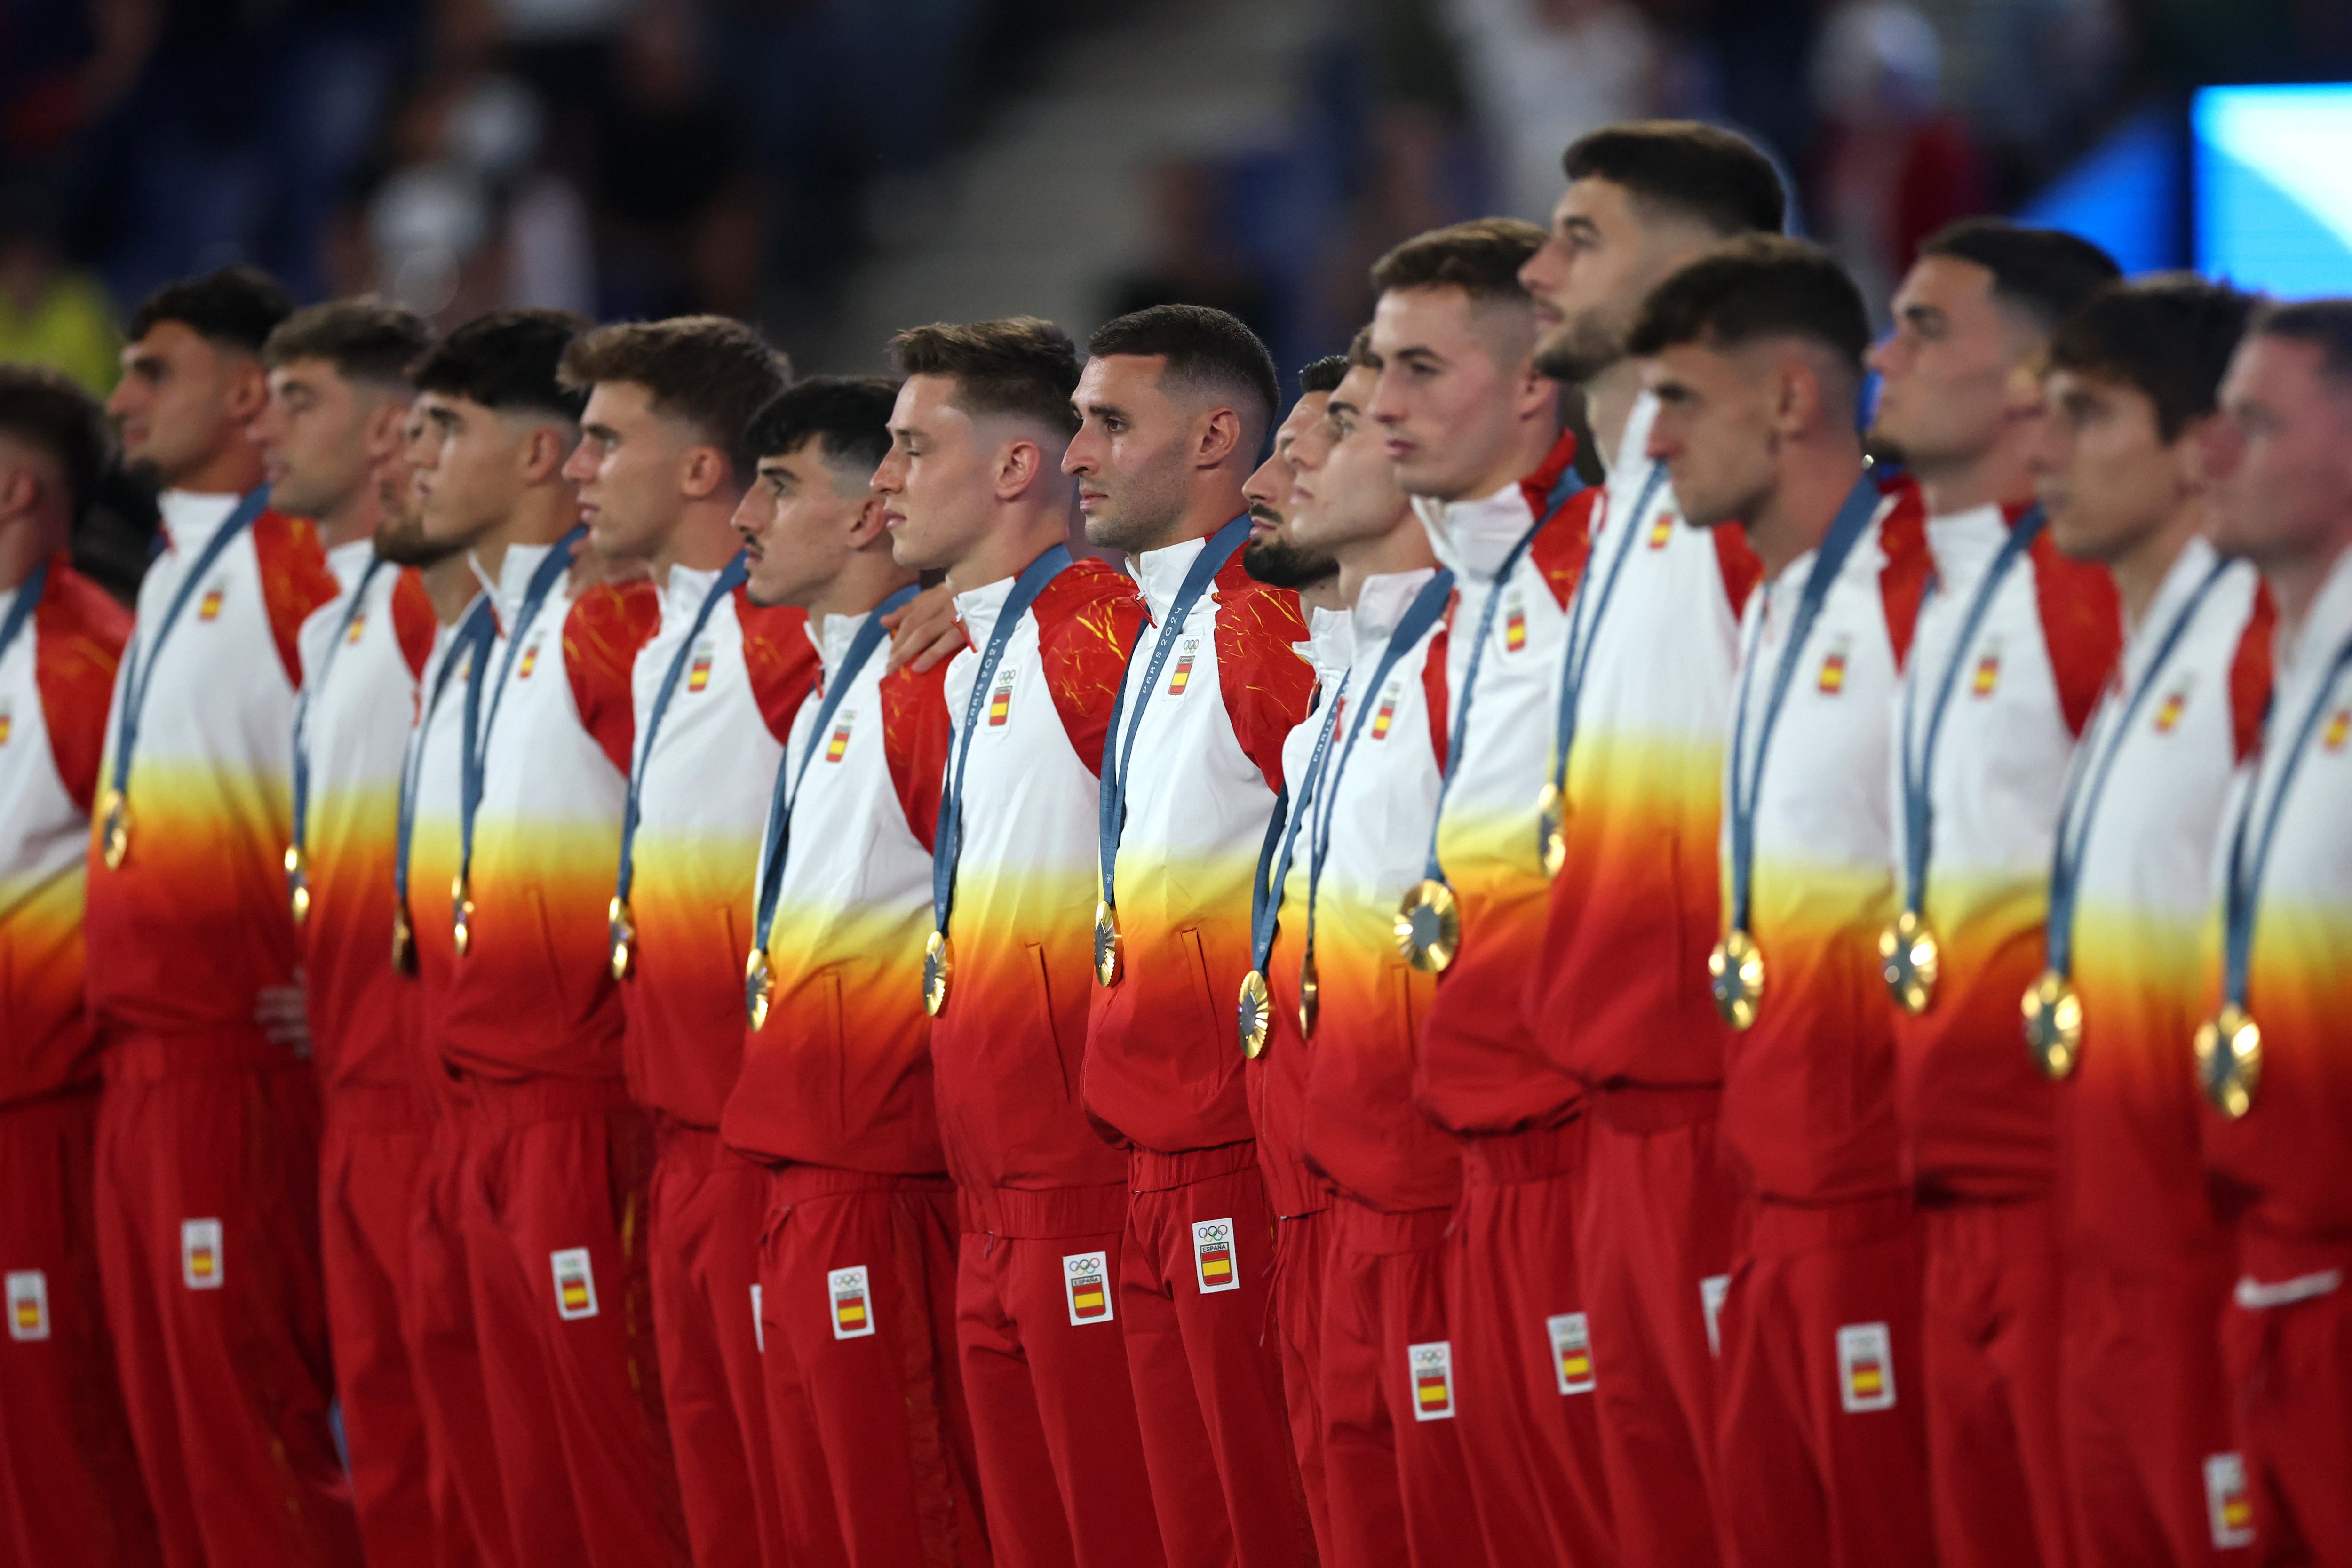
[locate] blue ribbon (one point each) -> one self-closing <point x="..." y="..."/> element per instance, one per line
<point x="1282" y="832"/>
<point x="310" y="687"/>
<point x="730" y="578"/>
<point x="20" y="614"/>
<point x="471" y="642"/>
<point x="1586" y="609"/>
<point x="544" y="578"/>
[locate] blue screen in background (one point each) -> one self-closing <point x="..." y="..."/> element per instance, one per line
<point x="2273" y="183"/>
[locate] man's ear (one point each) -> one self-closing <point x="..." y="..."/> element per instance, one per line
<point x="868" y="526"/>
<point x="20" y="491"/>
<point x="247" y="390"/>
<point x="1018" y="464"/>
<point x="542" y="453"/>
<point x="1216" y="437"/>
<point x="703" y="472"/>
<point x="1534" y="394"/>
<point x="385" y="432"/>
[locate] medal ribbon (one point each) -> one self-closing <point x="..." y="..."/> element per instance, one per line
<point x="947" y="843"/>
<point x="777" y="840"/>
<point x="1265" y="897"/>
<point x="20" y="614"/>
<point x="1215" y="554"/>
<point x="139" y="675"/>
<point x="544" y="578"/>
<point x="1845" y="532"/>
<point x="1584" y="628"/>
<point x="730" y="578"/>
<point x="1918" y="768"/>
<point x="2088" y="784"/>
<point x="310" y="687"/>
<point x="1420" y="615"/>
<point x="1567" y="485"/>
<point x="2242" y="896"/>
<point x="471" y="642"/>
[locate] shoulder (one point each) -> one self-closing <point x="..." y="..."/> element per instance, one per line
<point x="294" y="568"/>
<point x="1560" y="548"/>
<point x="1256" y="624"/>
<point x="2251" y="674"/>
<point x="607" y="624"/>
<point x="776" y="646"/>
<point x="78" y="623"/>
<point x="1906" y="563"/>
<point x="2082" y="625"/>
<point x="413" y="623"/>
<point x="1093" y="603"/>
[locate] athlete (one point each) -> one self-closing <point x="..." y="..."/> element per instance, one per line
<point x="1616" y="998"/>
<point x="972" y="485"/>
<point x="857" y="1262"/>
<point x="2270" y="1053"/>
<point x="2145" y="1423"/>
<point x="336" y="416"/>
<point x="1173" y="407"/>
<point x="1270" y="556"/>
<point x="2012" y="646"/>
<point x="69" y="1483"/>
<point x="1754" y="355"/>
<point x="662" y="463"/>
<point x="505" y="900"/>
<point x="208" y="1138"/>
<point x="1474" y="430"/>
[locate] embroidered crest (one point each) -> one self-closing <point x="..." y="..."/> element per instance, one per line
<point x="208" y="608"/>
<point x="359" y="626"/>
<point x="575" y="1283"/>
<point x="2167" y="712"/>
<point x="1212" y="1256"/>
<point x="1832" y="679"/>
<point x="1386" y="714"/>
<point x="1000" y="701"/>
<point x="698" y="674"/>
<point x="1086" y="1278"/>
<point x="7" y="723"/>
<point x="1515" y="622"/>
<point x="1865" y="1367"/>
<point x="1662" y="528"/>
<point x="530" y="657"/>
<point x="853" y="1306"/>
<point x="2339" y="726"/>
<point x="1571" y="1352"/>
<point x="838" y="746"/>
<point x="1987" y="675"/>
<point x="2228" y="1509"/>
<point x="28" y="1304"/>
<point x="1181" y="676"/>
<point x="1432" y="1365"/>
<point x="200" y="1254"/>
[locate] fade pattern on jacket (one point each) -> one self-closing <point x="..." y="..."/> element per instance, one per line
<point x="432" y="855"/>
<point x="53" y="695"/>
<point x="705" y="795"/>
<point x="1161" y="1069"/>
<point x="1009" y="1050"/>
<point x="841" y="1075"/>
<point x="195" y="924"/>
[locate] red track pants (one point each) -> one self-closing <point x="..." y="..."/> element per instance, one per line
<point x="555" y="1228"/>
<point x="70" y="1490"/>
<point x="1655" y="1236"/>
<point x="2286" y="1342"/>
<point x="452" y="1390"/>
<point x="1301" y="1244"/>
<point x="208" y="1247"/>
<point x="1821" y="1452"/>
<point x="1044" y="1357"/>
<point x="874" y="1448"/>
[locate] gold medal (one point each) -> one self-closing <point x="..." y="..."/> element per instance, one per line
<point x="621" y="924"/>
<point x="115" y="843"/>
<point x="1552" y="827"/>
<point x="1909" y="959"/>
<point x="2230" y="1061"/>
<point x="404" y="941"/>
<point x="298" y="883"/>
<point x="1108" y="966"/>
<point x="1735" y="973"/>
<point x="1309" y="998"/>
<point x="939" y="967"/>
<point x="1254" y="1015"/>
<point x="2053" y="1023"/>
<point x="1429" y="926"/>
<point x="759" y="990"/>
<point x="461" y="914"/>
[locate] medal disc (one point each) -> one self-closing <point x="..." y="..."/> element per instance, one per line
<point x="621" y="924"/>
<point x="939" y="967"/>
<point x="1253" y="1015"/>
<point x="1551" y="828"/>
<point x="759" y="990"/>
<point x="404" y="941"/>
<point x="298" y="883"/>
<point x="1735" y="973"/>
<point x="461" y="914"/>
<point x="1909" y="960"/>
<point x="1108" y="966"/>
<point x="1429" y="926"/>
<point x="115" y="842"/>
<point x="2229" y="1049"/>
<point x="1309" y="999"/>
<point x="2053" y="1023"/>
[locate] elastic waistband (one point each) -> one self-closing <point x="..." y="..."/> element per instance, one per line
<point x="1985" y="1225"/>
<point x="493" y="1104"/>
<point x="1149" y="1171"/>
<point x="806" y="1183"/>
<point x="2279" y="1271"/>
<point x="1043" y="1212"/>
<point x="1637" y="1108"/>
<point x="76" y="1103"/>
<point x="145" y="1058"/>
<point x="1532" y="1156"/>
<point x="1359" y="1227"/>
<point x="377" y="1108"/>
<point x="1782" y="1230"/>
<point x="682" y="1146"/>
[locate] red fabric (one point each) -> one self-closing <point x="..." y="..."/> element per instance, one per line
<point x="1278" y="1094"/>
<point x="1807" y="1482"/>
<point x="1537" y="487"/>
<point x="1301" y="1244"/>
<point x="1657" y="1219"/>
<point x="708" y="1209"/>
<point x="2142" y="1405"/>
<point x="469" y="1511"/>
<point x="1054" y="1426"/>
<point x="79" y="631"/>
<point x="227" y="1386"/>
<point x="1740" y="568"/>
<point x="2250" y="675"/>
<point x="2082" y="624"/>
<point x="70" y="1490"/>
<point x="782" y="662"/>
<point x="2290" y="1372"/>
<point x="1087" y="621"/>
<point x="295" y="581"/>
<point x="1565" y="541"/>
<point x="873" y="1439"/>
<point x="1433" y="690"/>
<point x="916" y="732"/>
<point x="1266" y="684"/>
<point x="1399" y="1484"/>
<point x="414" y="621"/>
<point x="576" y="1404"/>
<point x="1207" y="1378"/>
<point x="1910" y="565"/>
<point x="605" y="627"/>
<point x="1997" y="1475"/>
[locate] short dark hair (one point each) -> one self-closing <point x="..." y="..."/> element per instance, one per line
<point x="848" y="416"/>
<point x="2047" y="273"/>
<point x="367" y="339"/>
<point x="507" y="359"/>
<point x="1324" y="374"/>
<point x="2170" y="335"/>
<point x="1359" y="352"/>
<point x="46" y="410"/>
<point x="235" y="308"/>
<point x="2323" y="324"/>
<point x="1204" y="347"/>
<point x="1702" y="172"/>
<point x="1482" y="258"/>
<point x="1018" y="365"/>
<point x="1758" y="286"/>
<point x="711" y="372"/>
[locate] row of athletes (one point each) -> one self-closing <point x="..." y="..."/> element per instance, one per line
<point x="1605" y="1207"/>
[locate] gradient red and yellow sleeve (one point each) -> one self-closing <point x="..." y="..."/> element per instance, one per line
<point x="1266" y="684"/>
<point x="607" y="624"/>
<point x="1087" y="621"/>
<point x="79" y="634"/>
<point x="413" y="623"/>
<point x="295" y="581"/>
<point x="915" y="736"/>
<point x="781" y="661"/>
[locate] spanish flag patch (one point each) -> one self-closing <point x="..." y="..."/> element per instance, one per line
<point x="208" y="608"/>
<point x="28" y="1304"/>
<point x="1086" y="1278"/>
<point x="853" y="1305"/>
<point x="1865" y="1367"/>
<point x="1212" y="1256"/>
<point x="1571" y="1352"/>
<point x="1431" y="1368"/>
<point x="838" y="746"/>
<point x="200" y="1254"/>
<point x="575" y="1283"/>
<point x="1000" y="701"/>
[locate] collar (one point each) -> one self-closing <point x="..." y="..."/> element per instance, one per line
<point x="191" y="519"/>
<point x="1474" y="536"/>
<point x="832" y="640"/>
<point x="1382" y="602"/>
<point x="682" y="600"/>
<point x="978" y="607"/>
<point x="2330" y="621"/>
<point x="2180" y="580"/>
<point x="1633" y="460"/>
<point x="1963" y="543"/>
<point x="349" y="562"/>
<point x="514" y="578"/>
<point x="1537" y="487"/>
<point x="1161" y="573"/>
<point x="1330" y="641"/>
